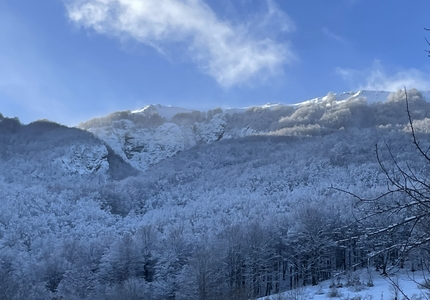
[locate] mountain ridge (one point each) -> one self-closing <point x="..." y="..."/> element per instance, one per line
<point x="133" y="141"/>
<point x="146" y="136"/>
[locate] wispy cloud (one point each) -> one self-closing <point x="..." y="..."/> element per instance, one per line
<point x="331" y="34"/>
<point x="232" y="54"/>
<point x="376" y="78"/>
<point x="352" y="2"/>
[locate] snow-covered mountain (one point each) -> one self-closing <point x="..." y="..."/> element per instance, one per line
<point x="227" y="203"/>
<point x="126" y="141"/>
<point x="145" y="137"/>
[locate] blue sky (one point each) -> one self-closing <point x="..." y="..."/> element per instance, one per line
<point x="72" y="60"/>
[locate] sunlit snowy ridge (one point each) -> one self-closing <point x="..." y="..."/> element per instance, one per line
<point x="146" y="136"/>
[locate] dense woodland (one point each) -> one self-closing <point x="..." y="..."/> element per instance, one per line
<point x="237" y="218"/>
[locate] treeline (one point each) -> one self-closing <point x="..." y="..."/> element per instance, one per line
<point x="79" y="251"/>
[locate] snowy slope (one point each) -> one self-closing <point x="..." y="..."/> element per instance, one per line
<point x="143" y="146"/>
<point x="384" y="287"/>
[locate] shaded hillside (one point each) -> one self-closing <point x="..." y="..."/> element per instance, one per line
<point x="48" y="151"/>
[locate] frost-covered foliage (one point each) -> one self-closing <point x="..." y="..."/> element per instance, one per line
<point x="45" y="151"/>
<point x="239" y="212"/>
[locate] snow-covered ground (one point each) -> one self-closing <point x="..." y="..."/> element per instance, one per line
<point x="384" y="288"/>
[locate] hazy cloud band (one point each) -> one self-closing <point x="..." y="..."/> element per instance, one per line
<point x="377" y="79"/>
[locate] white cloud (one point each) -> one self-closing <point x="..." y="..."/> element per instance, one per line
<point x="376" y="78"/>
<point x="231" y="54"/>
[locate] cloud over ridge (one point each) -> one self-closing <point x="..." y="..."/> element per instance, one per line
<point x="377" y="78"/>
<point x="231" y="54"/>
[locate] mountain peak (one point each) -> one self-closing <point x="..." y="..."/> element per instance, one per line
<point x="370" y="96"/>
<point x="166" y="112"/>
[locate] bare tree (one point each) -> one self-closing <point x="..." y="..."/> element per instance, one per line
<point x="397" y="222"/>
<point x="428" y="51"/>
<point x="410" y="187"/>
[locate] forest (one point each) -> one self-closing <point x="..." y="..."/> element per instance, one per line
<point x="309" y="192"/>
